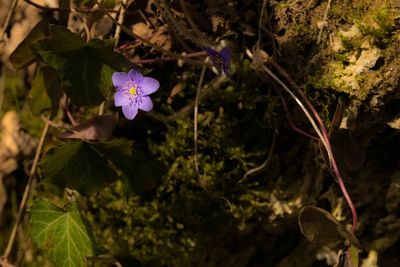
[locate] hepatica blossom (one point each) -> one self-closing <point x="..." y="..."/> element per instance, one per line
<point x="133" y="90"/>
<point x="221" y="60"/>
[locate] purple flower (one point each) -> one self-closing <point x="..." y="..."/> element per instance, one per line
<point x="133" y="90"/>
<point x="221" y="60"/>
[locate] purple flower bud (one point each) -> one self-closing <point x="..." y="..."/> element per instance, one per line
<point x="221" y="60"/>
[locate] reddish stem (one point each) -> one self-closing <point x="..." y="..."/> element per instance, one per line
<point x="333" y="160"/>
<point x="291" y="124"/>
<point x="325" y="134"/>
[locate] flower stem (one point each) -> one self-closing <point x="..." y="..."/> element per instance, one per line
<point x="326" y="142"/>
<point x="265" y="163"/>
<point x="195" y="116"/>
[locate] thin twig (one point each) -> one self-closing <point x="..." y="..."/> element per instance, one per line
<point x="265" y="163"/>
<point x="260" y="22"/>
<point x="291" y="124"/>
<point x="188" y="17"/>
<point x="26" y="194"/>
<point x="324" y="20"/>
<point x="301" y="105"/>
<point x="36" y="5"/>
<point x="129" y="32"/>
<point x="117" y="35"/>
<point x="84" y="23"/>
<point x="4" y="263"/>
<point x="195" y="116"/>
<point x="179" y="28"/>
<point x="158" y="60"/>
<point x="121" y="18"/>
<point x="2" y="87"/>
<point x="204" y="92"/>
<point x="8" y="19"/>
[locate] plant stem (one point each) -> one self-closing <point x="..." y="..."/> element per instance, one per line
<point x="265" y="163"/>
<point x="325" y="140"/>
<point x="323" y="21"/>
<point x="8" y="19"/>
<point x="26" y="194"/>
<point x="158" y="60"/>
<point x="195" y="116"/>
<point x="121" y="18"/>
<point x="301" y="105"/>
<point x="129" y="32"/>
<point x="36" y="5"/>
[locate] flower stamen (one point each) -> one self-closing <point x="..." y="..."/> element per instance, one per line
<point x="132" y="91"/>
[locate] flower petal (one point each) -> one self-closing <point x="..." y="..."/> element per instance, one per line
<point x="119" y="78"/>
<point x="120" y="99"/>
<point x="130" y="111"/>
<point x="226" y="54"/>
<point x="135" y="75"/>
<point x="211" y="52"/>
<point x="149" y="85"/>
<point x="146" y="104"/>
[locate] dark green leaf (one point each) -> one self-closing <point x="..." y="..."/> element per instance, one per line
<point x="140" y="170"/>
<point x="63" y="234"/>
<point x="104" y="49"/>
<point x="45" y="91"/>
<point x="86" y="68"/>
<point x="77" y="165"/>
<point x="116" y="149"/>
<point x="321" y="228"/>
<point x="347" y="150"/>
<point x="23" y="54"/>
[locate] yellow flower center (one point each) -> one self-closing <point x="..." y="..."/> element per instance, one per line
<point x="132" y="91"/>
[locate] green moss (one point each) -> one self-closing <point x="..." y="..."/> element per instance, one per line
<point x="349" y="10"/>
<point x="187" y="211"/>
<point x="355" y="51"/>
<point x="331" y="77"/>
<point x="379" y="25"/>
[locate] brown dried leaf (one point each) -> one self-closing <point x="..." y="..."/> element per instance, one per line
<point x="97" y="128"/>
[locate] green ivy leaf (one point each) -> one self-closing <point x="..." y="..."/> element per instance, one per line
<point x="45" y="91"/>
<point x="86" y="68"/>
<point x="117" y="150"/>
<point x="23" y="54"/>
<point x="77" y="165"/>
<point x="63" y="234"/>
